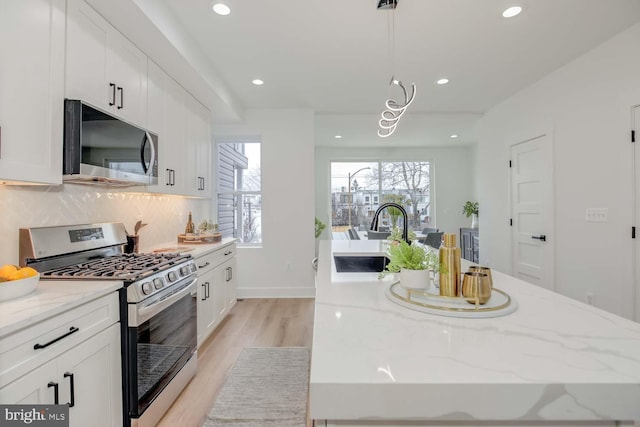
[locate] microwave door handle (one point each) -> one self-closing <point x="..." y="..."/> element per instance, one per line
<point x="147" y="170"/>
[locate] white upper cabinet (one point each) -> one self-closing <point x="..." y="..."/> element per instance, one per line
<point x="104" y="69"/>
<point x="31" y="91"/>
<point x="183" y="128"/>
<point x="199" y="148"/>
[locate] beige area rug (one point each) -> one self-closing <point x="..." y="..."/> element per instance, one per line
<point x="267" y="387"/>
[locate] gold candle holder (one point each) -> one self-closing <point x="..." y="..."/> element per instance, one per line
<point x="481" y="269"/>
<point x="449" y="266"/>
<point x="476" y="285"/>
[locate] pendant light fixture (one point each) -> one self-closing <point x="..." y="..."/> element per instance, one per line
<point x="394" y="111"/>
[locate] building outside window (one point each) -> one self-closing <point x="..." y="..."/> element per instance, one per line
<point x="373" y="183"/>
<point x="240" y="192"/>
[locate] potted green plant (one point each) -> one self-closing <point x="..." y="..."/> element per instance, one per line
<point x="470" y="209"/>
<point x="395" y="213"/>
<point x="320" y="226"/>
<point x="413" y="262"/>
<point x="396" y="235"/>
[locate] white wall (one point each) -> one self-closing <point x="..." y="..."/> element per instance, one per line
<point x="452" y="178"/>
<point x="22" y="207"/>
<point x="587" y="105"/>
<point x="282" y="266"/>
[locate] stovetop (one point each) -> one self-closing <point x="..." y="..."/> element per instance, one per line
<point x="127" y="267"/>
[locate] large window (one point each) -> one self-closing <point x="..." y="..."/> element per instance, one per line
<point x="239" y="192"/>
<point x="358" y="189"/>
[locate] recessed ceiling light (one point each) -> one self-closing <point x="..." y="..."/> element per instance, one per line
<point x="221" y="9"/>
<point x="512" y="11"/>
<point x="257" y="82"/>
<point x="442" y="81"/>
<point x="338" y="136"/>
<point x="454" y="136"/>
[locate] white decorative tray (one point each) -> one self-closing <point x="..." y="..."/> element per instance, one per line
<point x="500" y="303"/>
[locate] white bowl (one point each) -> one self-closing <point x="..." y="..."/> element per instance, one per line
<point x="17" y="288"/>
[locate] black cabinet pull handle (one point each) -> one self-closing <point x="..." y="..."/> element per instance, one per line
<point x="168" y="180"/>
<point x="72" y="401"/>
<point x="173" y="176"/>
<point x="228" y="253"/>
<point x="113" y="93"/>
<point x="204" y="290"/>
<point x="205" y="264"/>
<point x="208" y="290"/>
<point x="541" y="237"/>
<point x="72" y="330"/>
<point x="229" y="274"/>
<point x="121" y="97"/>
<point x="55" y="391"/>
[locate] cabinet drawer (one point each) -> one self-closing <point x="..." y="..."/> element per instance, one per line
<point x="213" y="259"/>
<point x="30" y="347"/>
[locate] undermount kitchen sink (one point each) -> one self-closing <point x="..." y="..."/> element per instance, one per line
<point x="360" y="264"/>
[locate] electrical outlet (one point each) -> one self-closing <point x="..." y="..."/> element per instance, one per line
<point x="597" y="215"/>
<point x="590" y="298"/>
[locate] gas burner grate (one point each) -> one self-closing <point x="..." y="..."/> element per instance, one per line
<point x="128" y="267"/>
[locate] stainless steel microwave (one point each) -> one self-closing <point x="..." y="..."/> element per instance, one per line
<point x="102" y="149"/>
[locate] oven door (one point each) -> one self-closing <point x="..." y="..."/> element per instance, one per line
<point x="162" y="336"/>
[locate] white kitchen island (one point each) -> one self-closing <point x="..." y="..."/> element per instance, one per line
<point x="554" y="361"/>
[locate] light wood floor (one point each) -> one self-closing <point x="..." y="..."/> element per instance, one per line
<point x="252" y="323"/>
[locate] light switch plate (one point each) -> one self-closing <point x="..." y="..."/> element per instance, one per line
<point x="597" y="215"/>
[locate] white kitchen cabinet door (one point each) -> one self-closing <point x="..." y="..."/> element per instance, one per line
<point x="97" y="379"/>
<point x="88" y="57"/>
<point x="198" y="148"/>
<point x="156" y="78"/>
<point x="94" y="366"/>
<point x="156" y="123"/>
<point x="175" y="137"/>
<point x="130" y="74"/>
<point x="207" y="314"/>
<point x="31" y="91"/>
<point x="231" y="282"/>
<point x="104" y="69"/>
<point x="32" y="388"/>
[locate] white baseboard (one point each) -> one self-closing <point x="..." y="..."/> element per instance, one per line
<point x="260" y="292"/>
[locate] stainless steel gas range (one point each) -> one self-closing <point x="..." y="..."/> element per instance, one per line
<point x="158" y="307"/>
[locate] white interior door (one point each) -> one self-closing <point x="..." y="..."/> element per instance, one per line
<point x="532" y="211"/>
<point x="636" y="172"/>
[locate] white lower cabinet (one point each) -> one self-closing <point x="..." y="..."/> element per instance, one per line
<point x="83" y="372"/>
<point x="217" y="288"/>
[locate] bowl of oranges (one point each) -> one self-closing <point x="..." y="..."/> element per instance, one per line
<point x="16" y="282"/>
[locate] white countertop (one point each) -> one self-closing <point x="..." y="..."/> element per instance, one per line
<point x="195" y="249"/>
<point x="50" y="298"/>
<point x="554" y="358"/>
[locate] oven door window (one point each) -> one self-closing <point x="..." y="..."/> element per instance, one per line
<point x="161" y="346"/>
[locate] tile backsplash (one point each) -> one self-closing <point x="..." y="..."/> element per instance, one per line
<point x="22" y="207"/>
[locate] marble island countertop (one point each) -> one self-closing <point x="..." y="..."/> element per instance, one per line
<point x="554" y="358"/>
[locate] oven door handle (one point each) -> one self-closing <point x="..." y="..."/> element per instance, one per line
<point x="146" y="313"/>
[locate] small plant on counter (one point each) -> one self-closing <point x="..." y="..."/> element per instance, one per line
<point x="396" y="235"/>
<point x="410" y="257"/>
<point x="207" y="227"/>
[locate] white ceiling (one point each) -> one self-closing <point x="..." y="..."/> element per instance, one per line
<point x="332" y="56"/>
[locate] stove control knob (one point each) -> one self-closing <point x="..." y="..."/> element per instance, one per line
<point x="147" y="288"/>
<point x="158" y="283"/>
<point x="193" y="268"/>
<point x="184" y="271"/>
<point x="172" y="276"/>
